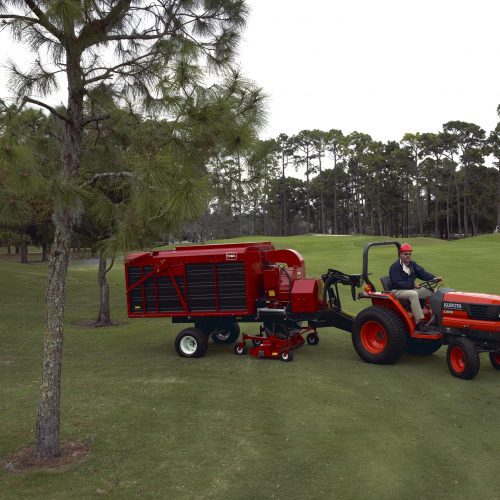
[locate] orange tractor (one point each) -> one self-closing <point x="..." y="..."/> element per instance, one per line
<point x="468" y="323"/>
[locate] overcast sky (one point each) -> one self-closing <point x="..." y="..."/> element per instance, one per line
<point x="383" y="67"/>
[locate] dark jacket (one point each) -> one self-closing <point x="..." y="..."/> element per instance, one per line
<point x="402" y="281"/>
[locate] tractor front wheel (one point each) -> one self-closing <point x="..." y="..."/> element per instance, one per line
<point x="495" y="360"/>
<point x="191" y="343"/>
<point x="462" y="358"/>
<point x="378" y="335"/>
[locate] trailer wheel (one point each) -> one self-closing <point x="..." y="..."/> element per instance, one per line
<point x="286" y="356"/>
<point x="312" y="338"/>
<point x="462" y="358"/>
<point x="191" y="343"/>
<point x="227" y="335"/>
<point x="495" y="360"/>
<point x="422" y="347"/>
<point x="378" y="335"/>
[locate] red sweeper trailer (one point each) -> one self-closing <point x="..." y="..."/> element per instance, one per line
<point x="214" y="287"/>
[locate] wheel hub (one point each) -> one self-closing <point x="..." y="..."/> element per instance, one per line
<point x="188" y="344"/>
<point x="374" y="337"/>
<point x="457" y="358"/>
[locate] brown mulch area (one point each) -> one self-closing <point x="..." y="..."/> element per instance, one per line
<point x="21" y="461"/>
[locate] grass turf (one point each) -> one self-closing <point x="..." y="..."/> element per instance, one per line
<point x="225" y="426"/>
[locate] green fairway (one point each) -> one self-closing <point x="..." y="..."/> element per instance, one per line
<point x="326" y="425"/>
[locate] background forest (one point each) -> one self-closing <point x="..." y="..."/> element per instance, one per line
<point x="435" y="184"/>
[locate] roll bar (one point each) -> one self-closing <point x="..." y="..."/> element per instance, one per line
<point x="366" y="279"/>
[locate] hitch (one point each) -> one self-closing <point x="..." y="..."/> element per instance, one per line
<point x="332" y="278"/>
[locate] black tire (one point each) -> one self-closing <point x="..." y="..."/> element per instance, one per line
<point x="422" y="347"/>
<point x="286" y="356"/>
<point x="226" y="335"/>
<point x="378" y="335"/>
<point x="240" y="349"/>
<point x="495" y="360"/>
<point x="191" y="343"/>
<point x="312" y="338"/>
<point x="462" y="358"/>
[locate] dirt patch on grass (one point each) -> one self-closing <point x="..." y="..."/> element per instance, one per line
<point x="72" y="452"/>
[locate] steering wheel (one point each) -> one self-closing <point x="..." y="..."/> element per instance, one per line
<point x="431" y="285"/>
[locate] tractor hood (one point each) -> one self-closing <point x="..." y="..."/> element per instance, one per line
<point x="471" y="298"/>
<point x="450" y="306"/>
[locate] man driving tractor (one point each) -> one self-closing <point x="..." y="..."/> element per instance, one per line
<point x="402" y="275"/>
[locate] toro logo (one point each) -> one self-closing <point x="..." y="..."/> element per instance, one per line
<point x="231" y="255"/>
<point x="453" y="305"/>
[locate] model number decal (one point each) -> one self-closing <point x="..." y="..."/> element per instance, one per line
<point x="231" y="255"/>
<point x="453" y="305"/>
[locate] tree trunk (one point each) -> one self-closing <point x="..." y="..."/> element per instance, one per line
<point x="466" y="201"/>
<point x="335" y="218"/>
<point x="23" y="252"/>
<point x="498" y="197"/>
<point x="459" y="208"/>
<point x="283" y="182"/>
<point x="104" y="318"/>
<point x="308" y="196"/>
<point x="45" y="252"/>
<point x="48" y="417"/>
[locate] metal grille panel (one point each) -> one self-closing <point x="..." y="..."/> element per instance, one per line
<point x="231" y="288"/>
<point x="200" y="287"/>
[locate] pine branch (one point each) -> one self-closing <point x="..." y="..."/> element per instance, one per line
<point x="43" y="20"/>
<point x="109" y="71"/>
<point x="96" y="118"/>
<point x="46" y="106"/>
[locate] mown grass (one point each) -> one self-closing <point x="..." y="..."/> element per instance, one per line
<point x="225" y="426"/>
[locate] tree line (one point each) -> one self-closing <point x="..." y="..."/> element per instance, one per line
<point x="444" y="184"/>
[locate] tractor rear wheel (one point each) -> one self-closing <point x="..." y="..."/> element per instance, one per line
<point x="495" y="360"/>
<point x="191" y="343"/>
<point x="226" y="335"/>
<point x="462" y="358"/>
<point x="422" y="347"/>
<point x="378" y="335"/>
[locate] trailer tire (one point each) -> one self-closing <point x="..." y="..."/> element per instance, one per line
<point x="226" y="335"/>
<point x="191" y="343"/>
<point x="495" y="360"/>
<point x="462" y="358"/>
<point x="378" y="335"/>
<point x="422" y="347"/>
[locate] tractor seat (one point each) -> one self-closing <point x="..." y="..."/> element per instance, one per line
<point x="386" y="283"/>
<point x="386" y="287"/>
